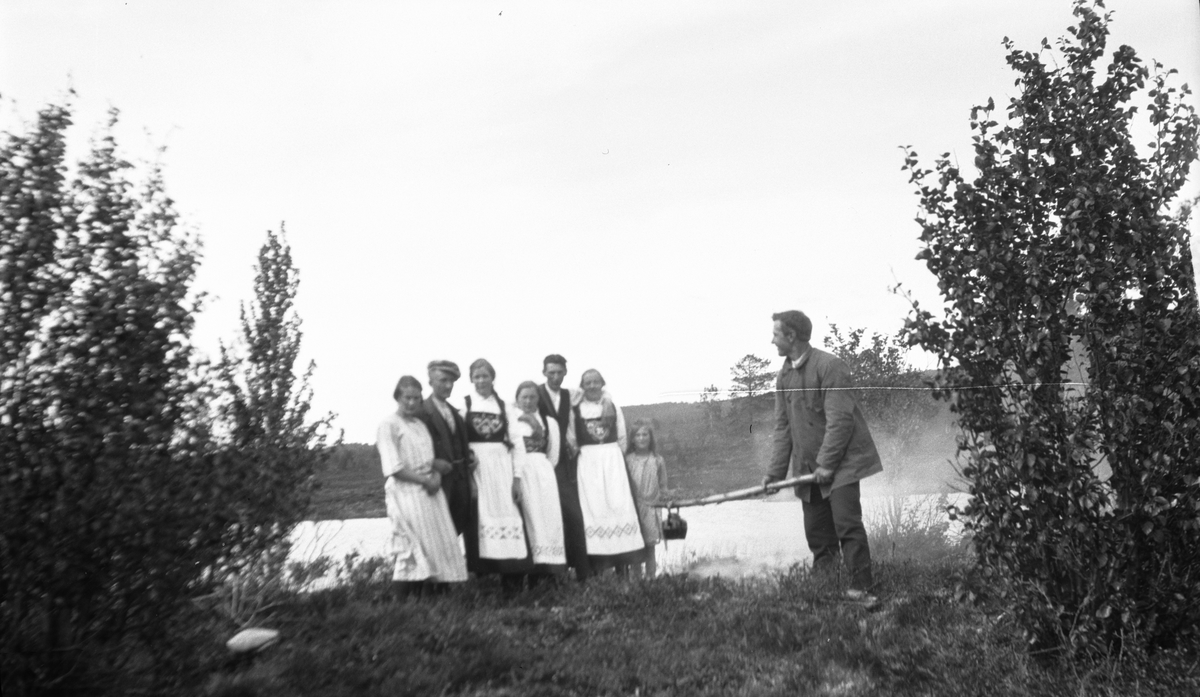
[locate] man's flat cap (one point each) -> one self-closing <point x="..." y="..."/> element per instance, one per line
<point x="448" y="367"/>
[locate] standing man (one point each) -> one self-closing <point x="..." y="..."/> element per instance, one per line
<point x="820" y="430"/>
<point x="555" y="400"/>
<point x="450" y="444"/>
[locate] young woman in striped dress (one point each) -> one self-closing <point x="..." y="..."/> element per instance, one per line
<point x="424" y="544"/>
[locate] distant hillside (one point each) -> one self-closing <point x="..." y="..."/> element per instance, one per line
<point x="351" y="485"/>
<point x="709" y="448"/>
<point x="727" y="445"/>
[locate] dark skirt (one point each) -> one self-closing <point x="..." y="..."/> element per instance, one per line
<point x="574" y="538"/>
<point x="457" y="485"/>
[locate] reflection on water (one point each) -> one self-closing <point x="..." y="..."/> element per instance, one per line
<point x="734" y="539"/>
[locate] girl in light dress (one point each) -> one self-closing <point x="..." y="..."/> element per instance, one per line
<point x="610" y="519"/>
<point x="424" y="543"/>
<point x="502" y="547"/>
<point x="535" y="441"/>
<point x="648" y="477"/>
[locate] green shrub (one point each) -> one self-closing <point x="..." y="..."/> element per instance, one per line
<point x="107" y="481"/>
<point x="118" y="503"/>
<point x="912" y="528"/>
<point x="1063" y="248"/>
<point x="261" y="409"/>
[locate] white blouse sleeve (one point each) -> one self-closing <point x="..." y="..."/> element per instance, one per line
<point x="572" y="440"/>
<point x="552" y="437"/>
<point x="621" y="439"/>
<point x="387" y="440"/>
<point x="517" y="437"/>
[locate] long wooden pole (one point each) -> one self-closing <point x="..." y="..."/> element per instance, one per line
<point x="739" y="494"/>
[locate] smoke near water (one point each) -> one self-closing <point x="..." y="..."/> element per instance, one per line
<point x="924" y="466"/>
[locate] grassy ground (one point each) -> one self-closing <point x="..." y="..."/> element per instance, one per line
<point x="937" y="631"/>
<point x="674" y="635"/>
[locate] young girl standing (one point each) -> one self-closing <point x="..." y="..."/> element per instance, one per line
<point x="648" y="477"/>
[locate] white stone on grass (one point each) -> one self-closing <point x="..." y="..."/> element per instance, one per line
<point x="252" y="639"/>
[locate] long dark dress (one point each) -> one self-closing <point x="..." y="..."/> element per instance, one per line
<point x="565" y="472"/>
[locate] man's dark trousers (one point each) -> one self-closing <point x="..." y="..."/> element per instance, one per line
<point x="834" y="525"/>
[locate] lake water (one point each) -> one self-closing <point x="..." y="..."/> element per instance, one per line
<point x="738" y="538"/>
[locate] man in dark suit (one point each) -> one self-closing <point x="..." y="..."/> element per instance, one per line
<point x="449" y="433"/>
<point x="554" y="400"/>
<point x="820" y="430"/>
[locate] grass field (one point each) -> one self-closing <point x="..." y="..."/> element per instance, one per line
<point x="675" y="635"/>
<point x="939" y="630"/>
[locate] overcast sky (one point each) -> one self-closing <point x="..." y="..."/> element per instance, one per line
<point x="637" y="186"/>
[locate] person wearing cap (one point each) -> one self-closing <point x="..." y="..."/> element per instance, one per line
<point x="449" y="432"/>
<point x="554" y="402"/>
<point x="820" y="430"/>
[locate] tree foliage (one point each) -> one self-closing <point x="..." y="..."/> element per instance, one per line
<point x="265" y="405"/>
<point x="119" y="500"/>
<point x="892" y="395"/>
<point x="1064" y="238"/>
<point x="750" y="376"/>
<point x="710" y="398"/>
<point x="105" y="507"/>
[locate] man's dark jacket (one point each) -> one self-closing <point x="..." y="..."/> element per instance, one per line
<point x="818" y="424"/>
<point x="453" y="448"/>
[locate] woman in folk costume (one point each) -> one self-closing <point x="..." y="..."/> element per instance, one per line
<point x="614" y="535"/>
<point x="502" y="547"/>
<point x="424" y="543"/>
<point x="535" y="441"/>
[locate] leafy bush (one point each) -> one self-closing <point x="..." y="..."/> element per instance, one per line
<point x="262" y="413"/>
<point x="913" y="528"/>
<point x="108" y="485"/>
<point x="1063" y="246"/>
<point x="119" y="500"/>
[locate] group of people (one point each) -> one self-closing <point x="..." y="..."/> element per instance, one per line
<point x="546" y="482"/>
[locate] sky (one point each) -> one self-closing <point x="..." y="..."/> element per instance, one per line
<point x="635" y="185"/>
